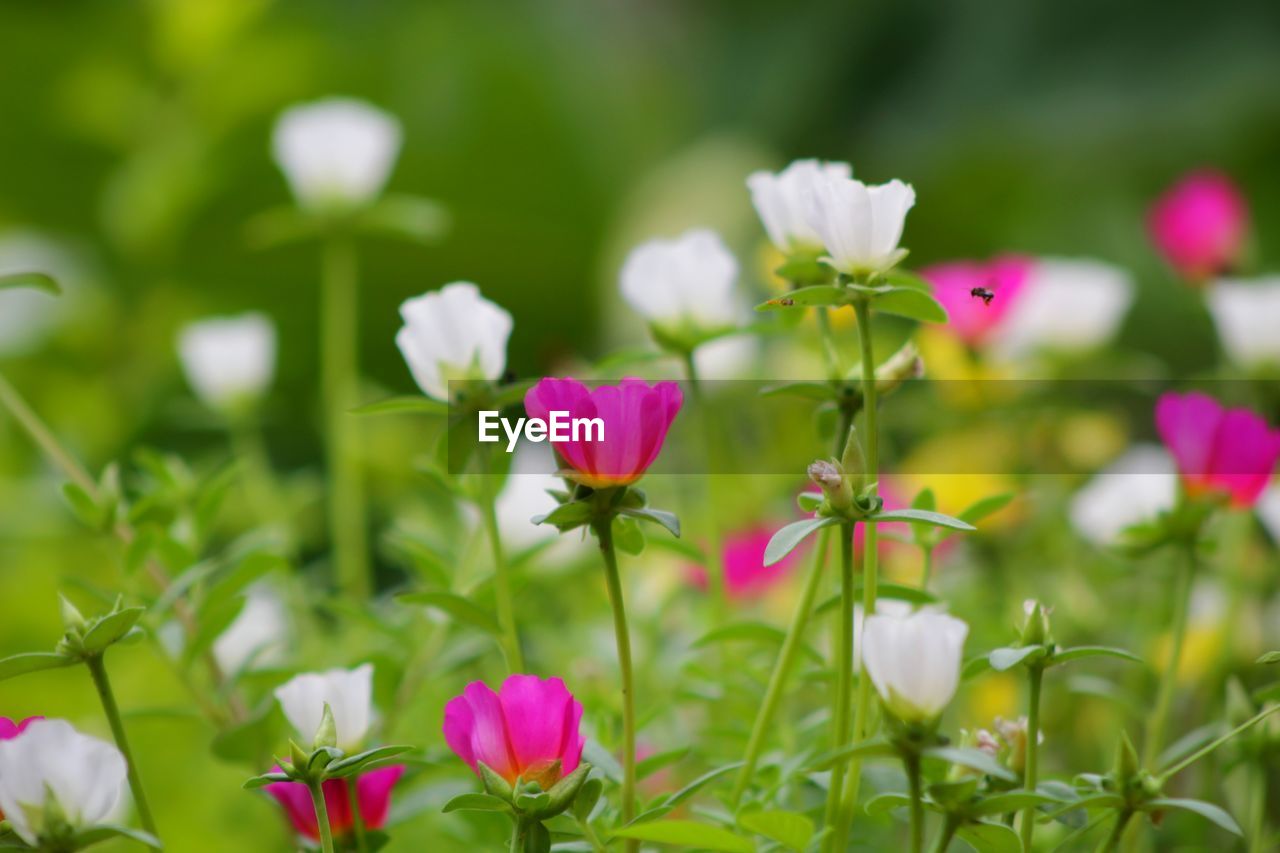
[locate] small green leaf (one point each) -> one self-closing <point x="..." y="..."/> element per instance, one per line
<point x="688" y="834"/>
<point x="403" y="405"/>
<point x="588" y="796"/>
<point x="16" y="665"/>
<point x="921" y="516"/>
<point x="1008" y="657"/>
<point x="1208" y="811"/>
<point x="658" y="761"/>
<point x="110" y="628"/>
<point x="1269" y="657"/>
<point x="819" y="294"/>
<point x="266" y="779"/>
<point x="693" y="787"/>
<point x="990" y="837"/>
<point x="476" y="803"/>
<point x="974" y="759"/>
<point x="1012" y="801"/>
<point x="108" y="832"/>
<point x="819" y="392"/>
<point x="986" y="507"/>
<point x="1080" y="652"/>
<point x="876" y="747"/>
<point x="656" y="516"/>
<point x="362" y="762"/>
<point x="32" y="280"/>
<point x="910" y="303"/>
<point x="84" y="506"/>
<point x="457" y="607"/>
<point x="751" y="632"/>
<point x="566" y="516"/>
<point x="884" y="803"/>
<point x="791" y="830"/>
<point x="786" y="539"/>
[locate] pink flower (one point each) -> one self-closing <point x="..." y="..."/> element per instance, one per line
<point x="745" y="575"/>
<point x="11" y="729"/>
<point x="973" y="319"/>
<point x="1217" y="450"/>
<point x="636" y="418"/>
<point x="529" y="730"/>
<point x="1199" y="225"/>
<point x="373" y="794"/>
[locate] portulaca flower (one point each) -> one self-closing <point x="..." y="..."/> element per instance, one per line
<point x="229" y="361"/>
<point x="684" y="282"/>
<point x="781" y="199"/>
<point x="257" y="636"/>
<point x="1065" y="305"/>
<point x="347" y="692"/>
<point x="336" y="152"/>
<point x="914" y="661"/>
<point x="860" y="225"/>
<point x="51" y="761"/>
<point x="1247" y="314"/>
<point x="894" y="607"/>
<point x="1137" y="487"/>
<point x="453" y="333"/>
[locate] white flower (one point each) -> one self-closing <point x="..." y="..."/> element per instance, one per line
<point x="27" y="316"/>
<point x="860" y="225"/>
<point x="347" y="692"/>
<point x="86" y="777"/>
<point x="228" y="360"/>
<point x="1247" y="314"/>
<point x="914" y="661"/>
<point x="729" y="357"/>
<point x="524" y="495"/>
<point x="453" y="333"/>
<point x="685" y="281"/>
<point x="894" y="607"/>
<point x="1268" y="509"/>
<point x="1136" y="487"/>
<point x="257" y="636"/>
<point x="336" y="152"/>
<point x="782" y="200"/>
<point x="1066" y="305"/>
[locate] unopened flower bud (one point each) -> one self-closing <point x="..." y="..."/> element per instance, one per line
<point x="903" y="365"/>
<point x="1035" y="629"/>
<point x="853" y="462"/>
<point x="72" y="619"/>
<point x="1127" y="764"/>
<point x="1014" y="734"/>
<point x="327" y="731"/>
<point x="835" y="486"/>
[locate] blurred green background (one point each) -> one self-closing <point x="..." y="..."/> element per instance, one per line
<point x="558" y="133"/>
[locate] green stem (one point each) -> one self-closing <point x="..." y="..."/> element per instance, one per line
<point x="1117" y="832"/>
<point x="870" y="560"/>
<point x="339" y="375"/>
<point x="322" y="816"/>
<point x="912" y="763"/>
<point x="357" y="819"/>
<point x="1035" y="677"/>
<point x="1258" y="810"/>
<point x="926" y="573"/>
<point x="44" y="438"/>
<point x="1169" y="680"/>
<point x="514" y="845"/>
<point x="715" y="541"/>
<point x="501" y="573"/>
<point x="844" y="671"/>
<point x="782" y="669"/>
<point x="604" y="532"/>
<point x="98" y="671"/>
<point x="1166" y="775"/>
<point x="834" y="365"/>
<point x="944" y="838"/>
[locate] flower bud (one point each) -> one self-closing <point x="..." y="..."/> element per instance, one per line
<point x="1014" y="734"/>
<point x="854" y="462"/>
<point x="327" y="731"/>
<point x="1035" y="629"/>
<point x="835" y="486"/>
<point x="1127" y="764"/>
<point x="72" y="619"/>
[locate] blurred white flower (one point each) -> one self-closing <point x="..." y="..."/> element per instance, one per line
<point x="229" y="361"/>
<point x="686" y="281"/>
<point x="51" y="761"/>
<point x="347" y="692"/>
<point x="27" y="316"/>
<point x="453" y="333"/>
<point x="524" y="495"/>
<point x="1247" y="314"/>
<point x="729" y="357"/>
<point x="914" y="661"/>
<point x="1065" y="305"/>
<point x="257" y="636"/>
<point x="1134" y="488"/>
<point x="336" y="152"/>
<point x="781" y="199"/>
<point x="894" y="607"/>
<point x="1268" y="509"/>
<point x="860" y="225"/>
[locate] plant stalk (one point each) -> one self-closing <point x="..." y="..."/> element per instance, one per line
<point x="1159" y="718"/>
<point x="1035" y="676"/>
<point x="322" y="816"/>
<point x="501" y="573"/>
<point x="912" y="764"/>
<point x="604" y="532"/>
<point x="843" y="727"/>
<point x="98" y="672"/>
<point x="715" y="539"/>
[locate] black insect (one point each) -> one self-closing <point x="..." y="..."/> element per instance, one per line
<point x="982" y="293"/>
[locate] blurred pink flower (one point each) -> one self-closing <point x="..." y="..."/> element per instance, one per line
<point x="1199" y="225"/>
<point x="636" y="418"/>
<point x="973" y="319"/>
<point x="373" y="796"/>
<point x="527" y="730"/>
<point x="1217" y="450"/>
<point x="745" y="575"/>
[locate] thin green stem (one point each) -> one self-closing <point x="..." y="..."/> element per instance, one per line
<point x="948" y="832"/>
<point x="715" y="540"/>
<point x="1258" y="810"/>
<point x="590" y="834"/>
<point x="514" y="845"/>
<point x="1035" y="675"/>
<point x="322" y="816"/>
<point x="44" y="438"/>
<point x="1117" y="832"/>
<point x="98" y="671"/>
<point x="357" y="819"/>
<point x="604" y="532"/>
<point x="844" y="671"/>
<point x="339" y="330"/>
<point x="912" y="764"/>
<point x="835" y="366"/>
<point x="782" y="670"/>
<point x="501" y="572"/>
<point x="926" y="573"/>
<point x="1159" y="718"/>
<point x="1200" y="753"/>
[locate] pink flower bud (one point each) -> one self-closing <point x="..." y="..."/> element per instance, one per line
<point x="1218" y="451"/>
<point x="1199" y="225"/>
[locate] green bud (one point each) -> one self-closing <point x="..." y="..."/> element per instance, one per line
<point x="564" y="792"/>
<point x="495" y="784"/>
<point x="854" y="462"/>
<point x="1127" y="764"/>
<point x="1240" y="707"/>
<point x="835" y="485"/>
<point x="298" y="758"/>
<point x="327" y="733"/>
<point x="72" y="619"/>
<point x="1035" y="629"/>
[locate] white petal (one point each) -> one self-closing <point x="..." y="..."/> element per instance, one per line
<point x="338" y="151"/>
<point x="453" y="333"/>
<point x="781" y="199"/>
<point x="1247" y="314"/>
<point x="1066" y="305"/>
<point x="257" y="636"/>
<point x="689" y="279"/>
<point x="1136" y="487"/>
<point x="228" y="359"/>
<point x="348" y="693"/>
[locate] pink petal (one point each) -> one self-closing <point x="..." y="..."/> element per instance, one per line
<point x="538" y="715"/>
<point x="474" y="729"/>
<point x="1199" y="225"/>
<point x="1244" y="456"/>
<point x="971" y="319"/>
<point x="11" y="729"/>
<point x="373" y="792"/>
<point x="1188" y="425"/>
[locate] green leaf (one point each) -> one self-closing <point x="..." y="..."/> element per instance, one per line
<point x="658" y="761"/>
<point x="32" y="280"/>
<point x="370" y="759"/>
<point x="656" y="516"/>
<point x="809" y="501"/>
<point x="922" y="516"/>
<point x="566" y="516"/>
<point x="791" y="830"/>
<point x="1269" y="657"/>
<point x="693" y="787"/>
<point x="884" y="803"/>
<point x="687" y="833"/>
<point x="911" y="303"/>
<point x="476" y="803"/>
<point x="628" y="536"/>
<point x="83" y="505"/>
<point x="16" y="665"/>
<point x="990" y="837"/>
<point x="1010" y="656"/>
<point x="1208" y="811"/>
<point x="1080" y="652"/>
<point x="111" y="628"/>
<point x="588" y="796"/>
<point x="416" y="404"/>
<point x="786" y="539"/>
<point x="1013" y="801"/>
<point x="418" y="219"/>
<point x="876" y="747"/>
<point x="266" y="779"/>
<point x="457" y="607"/>
<point x="986" y="507"/>
<point x="819" y="294"/>
<point x="108" y="832"/>
<point x="751" y="632"/>
<point x="974" y="759"/>
<point x="819" y="392"/>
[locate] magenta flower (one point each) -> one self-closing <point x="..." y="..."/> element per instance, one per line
<point x="528" y="730"/>
<point x="373" y="797"/>
<point x="636" y="418"/>
<point x="1199" y="225"/>
<point x="745" y="575"/>
<point x="971" y="318"/>
<point x="1217" y="450"/>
